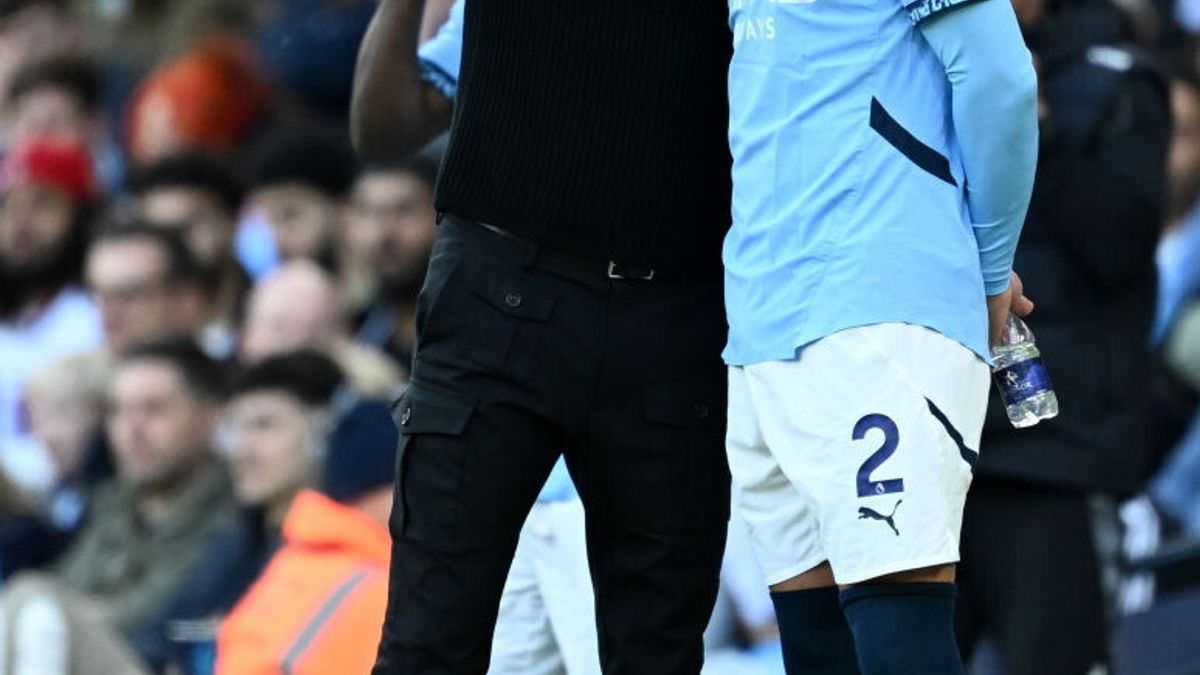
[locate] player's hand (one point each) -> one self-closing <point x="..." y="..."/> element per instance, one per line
<point x="1000" y="306"/>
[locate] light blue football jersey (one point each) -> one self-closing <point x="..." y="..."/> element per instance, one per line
<point x="849" y="203"/>
<point x="441" y="56"/>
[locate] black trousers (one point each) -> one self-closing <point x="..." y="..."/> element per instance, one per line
<point x="1030" y="578"/>
<point x="522" y="357"/>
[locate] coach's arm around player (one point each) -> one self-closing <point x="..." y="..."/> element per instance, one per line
<point x="401" y="99"/>
<point x="995" y="93"/>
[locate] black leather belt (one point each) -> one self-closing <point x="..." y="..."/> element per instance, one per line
<point x="556" y="260"/>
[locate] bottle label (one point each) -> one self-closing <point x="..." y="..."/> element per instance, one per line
<point x="1022" y="381"/>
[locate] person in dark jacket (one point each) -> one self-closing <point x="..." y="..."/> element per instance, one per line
<point x="27" y="540"/>
<point x="1175" y="490"/>
<point x="277" y="420"/>
<point x="144" y="529"/>
<point x="1031" y="575"/>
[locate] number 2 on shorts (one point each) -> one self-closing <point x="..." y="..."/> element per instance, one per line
<point x="891" y="439"/>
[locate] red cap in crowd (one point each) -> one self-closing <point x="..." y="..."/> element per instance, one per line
<point x="59" y="163"/>
<point x="208" y="99"/>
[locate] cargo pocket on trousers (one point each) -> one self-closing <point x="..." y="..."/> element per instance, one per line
<point x="429" y="462"/>
<point x="697" y="409"/>
<point x="511" y="333"/>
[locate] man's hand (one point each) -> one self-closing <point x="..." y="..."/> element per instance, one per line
<point x="1000" y="306"/>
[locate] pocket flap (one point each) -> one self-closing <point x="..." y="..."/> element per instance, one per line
<point x="422" y="411"/>
<point x="516" y="299"/>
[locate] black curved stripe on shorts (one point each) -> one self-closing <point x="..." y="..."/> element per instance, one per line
<point x="910" y="146"/>
<point x="969" y="456"/>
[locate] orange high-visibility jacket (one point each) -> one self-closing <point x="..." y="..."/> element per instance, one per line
<point x="318" y="608"/>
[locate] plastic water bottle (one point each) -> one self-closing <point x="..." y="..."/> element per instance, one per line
<point x="1021" y="376"/>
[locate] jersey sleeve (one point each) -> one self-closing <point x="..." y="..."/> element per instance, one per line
<point x="441" y="56"/>
<point x="994" y="108"/>
<point x="922" y="11"/>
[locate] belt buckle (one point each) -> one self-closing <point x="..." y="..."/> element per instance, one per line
<point x="615" y="274"/>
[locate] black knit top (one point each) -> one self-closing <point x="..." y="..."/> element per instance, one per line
<point x="597" y="127"/>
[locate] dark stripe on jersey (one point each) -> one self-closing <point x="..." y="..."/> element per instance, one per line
<point x="910" y="146"/>
<point x="969" y="456"/>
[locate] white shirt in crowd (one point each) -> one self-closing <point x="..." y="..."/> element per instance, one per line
<point x="69" y="325"/>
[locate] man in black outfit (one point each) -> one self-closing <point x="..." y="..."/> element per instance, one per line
<point x="573" y="300"/>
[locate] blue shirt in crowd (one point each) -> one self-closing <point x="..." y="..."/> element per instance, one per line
<point x="1178" y="259"/>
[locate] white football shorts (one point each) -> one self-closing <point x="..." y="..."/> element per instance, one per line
<point x="858" y="452"/>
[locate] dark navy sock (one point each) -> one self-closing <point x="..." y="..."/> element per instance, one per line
<point x="903" y="629"/>
<point x="816" y="638"/>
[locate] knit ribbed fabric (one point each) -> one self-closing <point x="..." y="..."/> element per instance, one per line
<point x="596" y="127"/>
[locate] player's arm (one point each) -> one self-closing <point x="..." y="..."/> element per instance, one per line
<point x="994" y="107"/>
<point x="403" y="93"/>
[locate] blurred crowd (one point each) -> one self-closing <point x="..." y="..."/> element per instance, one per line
<point x="207" y="302"/>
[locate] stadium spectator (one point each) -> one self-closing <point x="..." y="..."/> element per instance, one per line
<point x="310" y="47"/>
<point x="294" y="308"/>
<point x="1174" y="491"/>
<point x="1145" y="20"/>
<point x="189" y="22"/>
<point x="277" y="426"/>
<point x="146" y="529"/>
<point x="27" y="540"/>
<point x="299" y="181"/>
<point x="146" y="286"/>
<point x="297" y="308"/>
<point x="1183" y="350"/>
<point x="62" y="97"/>
<point x="1088" y="250"/>
<point x="32" y="30"/>
<point x="318" y="607"/>
<point x="141" y="33"/>
<point x="123" y="32"/>
<point x="59" y="96"/>
<point x="46" y="199"/>
<point x="65" y="406"/>
<point x="1178" y="252"/>
<point x="208" y="99"/>
<point x="198" y="196"/>
<point x="386" y="241"/>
